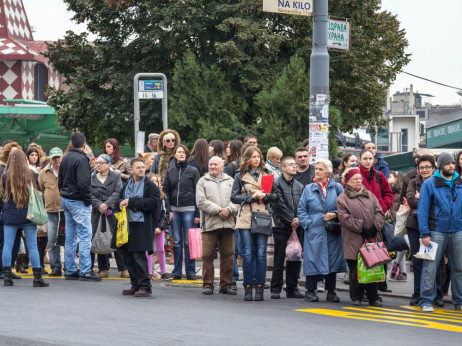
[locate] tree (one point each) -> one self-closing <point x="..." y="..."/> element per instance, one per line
<point x="240" y="49"/>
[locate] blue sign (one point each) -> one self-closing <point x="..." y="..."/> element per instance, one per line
<point x="150" y="85"/>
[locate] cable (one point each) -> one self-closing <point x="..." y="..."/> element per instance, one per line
<point x="432" y="81"/>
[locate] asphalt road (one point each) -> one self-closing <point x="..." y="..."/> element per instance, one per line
<point x="87" y="313"/>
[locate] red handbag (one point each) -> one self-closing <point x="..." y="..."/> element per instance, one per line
<point x="374" y="254"/>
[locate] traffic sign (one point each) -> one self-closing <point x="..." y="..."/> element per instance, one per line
<point x="300" y="7"/>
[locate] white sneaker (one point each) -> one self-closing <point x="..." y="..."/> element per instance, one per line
<point x="320" y="288"/>
<point x="427" y="308"/>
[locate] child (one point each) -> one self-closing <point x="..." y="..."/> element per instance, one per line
<point x="159" y="233"/>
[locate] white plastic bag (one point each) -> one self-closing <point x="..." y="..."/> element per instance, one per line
<point x="401" y="218"/>
<point x="294" y="248"/>
<point x="427" y="253"/>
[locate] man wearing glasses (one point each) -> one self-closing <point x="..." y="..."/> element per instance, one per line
<point x="288" y="191"/>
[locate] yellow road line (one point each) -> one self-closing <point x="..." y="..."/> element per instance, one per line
<point x="428" y="316"/>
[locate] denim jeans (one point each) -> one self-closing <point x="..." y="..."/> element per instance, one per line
<point x="14" y="254"/>
<point x="78" y="224"/>
<point x="181" y="223"/>
<point x="30" y="230"/>
<point x="452" y="242"/>
<point x="237" y="251"/>
<point x="54" y="252"/>
<point x="253" y="251"/>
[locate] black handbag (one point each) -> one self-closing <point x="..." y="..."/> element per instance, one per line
<point x="262" y="223"/>
<point x="393" y="242"/>
<point x="61" y="239"/>
<point x="331" y="226"/>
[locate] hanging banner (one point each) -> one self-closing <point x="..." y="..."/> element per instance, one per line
<point x="319" y="141"/>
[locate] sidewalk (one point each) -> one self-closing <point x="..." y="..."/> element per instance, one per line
<point x="398" y="289"/>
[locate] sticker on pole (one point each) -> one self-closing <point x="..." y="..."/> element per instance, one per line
<point x="299" y="8"/>
<point x="338" y="34"/>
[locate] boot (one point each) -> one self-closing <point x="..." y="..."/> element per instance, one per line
<point x="248" y="293"/>
<point x="38" y="281"/>
<point x="18" y="266"/>
<point x="259" y="293"/>
<point x="25" y="261"/>
<point x="8" y="280"/>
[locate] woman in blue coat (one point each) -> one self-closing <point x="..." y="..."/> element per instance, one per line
<point x="322" y="249"/>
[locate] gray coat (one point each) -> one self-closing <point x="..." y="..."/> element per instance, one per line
<point x="107" y="193"/>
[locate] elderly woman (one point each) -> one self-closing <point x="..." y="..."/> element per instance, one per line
<point x="322" y="246"/>
<point x="273" y="160"/>
<point x="105" y="188"/>
<point x="361" y="217"/>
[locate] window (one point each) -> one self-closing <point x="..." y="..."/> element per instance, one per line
<point x="404" y="143"/>
<point x="383" y="140"/>
<point x="40" y="82"/>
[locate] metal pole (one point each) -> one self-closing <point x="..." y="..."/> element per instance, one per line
<point x="319" y="78"/>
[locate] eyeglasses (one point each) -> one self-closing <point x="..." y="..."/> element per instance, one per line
<point x="170" y="140"/>
<point x="100" y="163"/>
<point x="357" y="179"/>
<point x="293" y="164"/>
<point x="425" y="168"/>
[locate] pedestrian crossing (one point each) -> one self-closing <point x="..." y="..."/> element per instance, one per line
<point x="441" y="319"/>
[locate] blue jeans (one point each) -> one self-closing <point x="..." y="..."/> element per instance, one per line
<point x="181" y="223"/>
<point x="78" y="224"/>
<point x="452" y="242"/>
<point x="253" y="251"/>
<point x="54" y="252"/>
<point x="30" y="230"/>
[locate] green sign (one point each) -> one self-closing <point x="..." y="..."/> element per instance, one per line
<point x="444" y="135"/>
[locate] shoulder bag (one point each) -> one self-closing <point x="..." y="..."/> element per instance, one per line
<point x="261" y="223"/>
<point x="331" y="226"/>
<point x="35" y="208"/>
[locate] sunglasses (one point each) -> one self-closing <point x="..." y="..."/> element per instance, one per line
<point x="170" y="140"/>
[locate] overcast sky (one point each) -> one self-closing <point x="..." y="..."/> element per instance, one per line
<point x="432" y="29"/>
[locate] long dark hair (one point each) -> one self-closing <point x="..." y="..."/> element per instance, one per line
<point x="19" y="176"/>
<point x="235" y="147"/>
<point x="200" y="155"/>
<point x="458" y="168"/>
<point x="116" y="157"/>
<point x="218" y="148"/>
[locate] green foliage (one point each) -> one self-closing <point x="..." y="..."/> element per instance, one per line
<point x="203" y="103"/>
<point x="218" y="56"/>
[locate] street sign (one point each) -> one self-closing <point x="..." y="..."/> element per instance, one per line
<point x="150" y="85"/>
<point x="151" y="94"/>
<point x="300" y="7"/>
<point x="338" y="34"/>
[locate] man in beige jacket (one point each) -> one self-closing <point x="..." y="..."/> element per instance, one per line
<point x="213" y="198"/>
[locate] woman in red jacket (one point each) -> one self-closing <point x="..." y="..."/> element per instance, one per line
<point x="375" y="181"/>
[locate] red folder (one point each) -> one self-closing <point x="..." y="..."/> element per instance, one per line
<point x="267" y="184"/>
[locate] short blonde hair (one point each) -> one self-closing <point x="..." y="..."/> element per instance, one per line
<point x="274" y="152"/>
<point x="327" y="165"/>
<point x="169" y="135"/>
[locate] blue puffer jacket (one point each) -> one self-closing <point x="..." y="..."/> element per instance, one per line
<point x="382" y="165"/>
<point x="11" y="214"/>
<point x="440" y="205"/>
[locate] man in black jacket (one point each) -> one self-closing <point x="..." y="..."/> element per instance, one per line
<point x="288" y="192"/>
<point x="74" y="187"/>
<point x="141" y="198"/>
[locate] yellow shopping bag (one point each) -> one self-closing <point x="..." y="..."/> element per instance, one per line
<point x="122" y="228"/>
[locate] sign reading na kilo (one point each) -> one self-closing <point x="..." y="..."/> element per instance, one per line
<point x="297" y="7"/>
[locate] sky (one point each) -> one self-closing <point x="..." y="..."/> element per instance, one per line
<point x="432" y="29"/>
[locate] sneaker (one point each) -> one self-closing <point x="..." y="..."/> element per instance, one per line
<point x="176" y="277"/>
<point x="275" y="295"/>
<point x="165" y="276"/>
<point x="332" y="297"/>
<point x="234" y="286"/>
<point x="427" y="307"/>
<point x="207" y="291"/>
<point x="439" y="302"/>
<point x="295" y="294"/>
<point x="346" y="278"/>
<point x="155" y="276"/>
<point x="320" y="287"/>
<point x="376" y="303"/>
<point x="73" y="276"/>
<point x="125" y="274"/>
<point x="191" y="277"/>
<point x="228" y="290"/>
<point x="402" y="277"/>
<point x="395" y="271"/>
<point x="311" y="296"/>
<point x="56" y="272"/>
<point x="415" y="301"/>
<point x="103" y="274"/>
<point x="90" y="276"/>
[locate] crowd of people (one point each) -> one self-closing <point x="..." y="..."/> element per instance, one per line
<point x="239" y="199"/>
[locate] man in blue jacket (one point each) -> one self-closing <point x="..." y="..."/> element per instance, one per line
<point x="440" y="220"/>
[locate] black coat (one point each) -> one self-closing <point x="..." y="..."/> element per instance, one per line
<point x="74" y="177"/>
<point x="180" y="186"/>
<point x="107" y="193"/>
<point x="285" y="208"/>
<point x="141" y="234"/>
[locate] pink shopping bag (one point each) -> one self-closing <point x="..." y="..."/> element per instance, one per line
<point x="195" y="243"/>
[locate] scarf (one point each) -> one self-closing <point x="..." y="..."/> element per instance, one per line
<point x="255" y="173"/>
<point x="165" y="157"/>
<point x="323" y="186"/>
<point x="133" y="190"/>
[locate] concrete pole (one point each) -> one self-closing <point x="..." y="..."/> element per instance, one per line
<point x="319" y="83"/>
